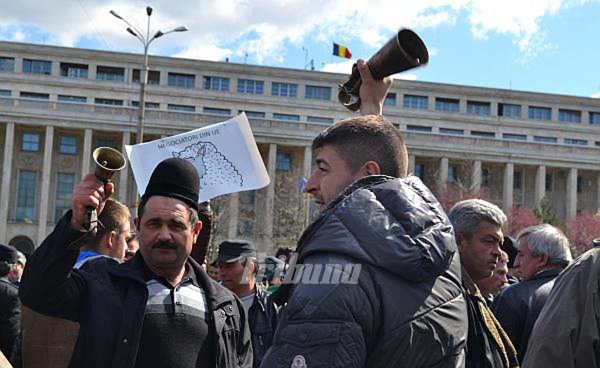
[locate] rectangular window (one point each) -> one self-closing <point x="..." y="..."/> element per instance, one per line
<point x="509" y="110"/>
<point x="594" y="117"/>
<point x="31" y="142"/>
<point x="37" y="66"/>
<point x="478" y="108"/>
<point x="182" y="80"/>
<point x="514" y="137"/>
<point x="283" y="161"/>
<point x="214" y="111"/>
<point x="540" y="113"/>
<point x="452" y="172"/>
<point x="106" y="142"/>
<point x="580" y="183"/>
<point x="108" y="101"/>
<point x="284" y="89"/>
<point x="254" y="114"/>
<point x="319" y="120"/>
<point x="7" y="64"/>
<point x="418" y="128"/>
<point x="415" y="102"/>
<point x="486" y="177"/>
<point x="5" y="93"/>
<point x="452" y="131"/>
<point x="64" y="188"/>
<point x="153" y="77"/>
<point x="518" y="180"/>
<point x="390" y="100"/>
<point x="35" y="96"/>
<point x="286" y="117"/>
<point x="577" y="142"/>
<point x="549" y="182"/>
<point x="419" y="170"/>
<point x="597" y="144"/>
<point x="447" y="104"/>
<point x="74" y="70"/>
<point x="149" y="105"/>
<point x="67" y="144"/>
<point x="75" y="99"/>
<point x="541" y="139"/>
<point x="476" y="133"/>
<point x="181" y="108"/>
<point x="109" y="73"/>
<point x="251" y="86"/>
<point x="317" y="92"/>
<point x="216" y="83"/>
<point x="26" y="192"/>
<point x="569" y="116"/>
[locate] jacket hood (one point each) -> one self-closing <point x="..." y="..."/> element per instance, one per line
<point x="389" y="223"/>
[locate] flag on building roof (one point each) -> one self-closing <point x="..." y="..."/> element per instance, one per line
<point x="341" y="51"/>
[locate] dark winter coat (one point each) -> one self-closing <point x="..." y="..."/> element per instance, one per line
<point x="402" y="308"/>
<point x="10" y="316"/>
<point x="519" y="306"/>
<point x="262" y="318"/>
<point x="109" y="302"/>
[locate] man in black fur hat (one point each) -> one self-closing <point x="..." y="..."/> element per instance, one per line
<point x="159" y="309"/>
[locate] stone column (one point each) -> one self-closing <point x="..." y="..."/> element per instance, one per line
<point x="476" y="176"/>
<point x="306" y="172"/>
<point x="87" y="152"/>
<point x="233" y="213"/>
<point x="45" y="192"/>
<point x="442" y="175"/>
<point x="540" y="184"/>
<point x="124" y="176"/>
<point x="411" y="164"/>
<point x="507" y="190"/>
<point x="571" y="204"/>
<point x="9" y="140"/>
<point x="597" y="193"/>
<point x="266" y="217"/>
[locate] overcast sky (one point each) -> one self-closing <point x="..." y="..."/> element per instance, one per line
<point x="534" y="45"/>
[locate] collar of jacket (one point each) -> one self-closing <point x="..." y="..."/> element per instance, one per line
<point x="260" y="297"/>
<point x="547" y="273"/>
<point x="470" y="285"/>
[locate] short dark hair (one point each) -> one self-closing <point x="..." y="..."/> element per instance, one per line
<point x="113" y="216"/>
<point x="367" y="138"/>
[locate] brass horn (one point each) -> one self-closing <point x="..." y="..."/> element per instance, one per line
<point x="404" y="51"/>
<point x="108" y="161"/>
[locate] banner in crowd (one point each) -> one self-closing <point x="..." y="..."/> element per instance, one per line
<point x="225" y="155"/>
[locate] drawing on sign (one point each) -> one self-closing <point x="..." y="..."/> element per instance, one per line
<point x="213" y="167"/>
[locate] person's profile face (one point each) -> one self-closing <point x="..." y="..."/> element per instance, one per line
<point x="119" y="244"/>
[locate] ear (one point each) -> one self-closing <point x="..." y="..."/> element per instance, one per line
<point x="136" y="222"/>
<point x="461" y="242"/>
<point x="544" y="260"/>
<point x="196" y="230"/>
<point x="370" y="168"/>
<point x="109" y="240"/>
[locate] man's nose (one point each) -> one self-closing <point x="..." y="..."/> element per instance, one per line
<point x="312" y="185"/>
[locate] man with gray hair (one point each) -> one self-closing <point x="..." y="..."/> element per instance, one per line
<point x="543" y="252"/>
<point x="478" y="230"/>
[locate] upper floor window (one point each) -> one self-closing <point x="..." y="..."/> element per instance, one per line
<point x="26" y="193"/>
<point x="283" y="162"/>
<point x="106" y="142"/>
<point x="77" y="99"/>
<point x="287" y="117"/>
<point x="108" y="101"/>
<point x="447" y="104"/>
<point x="7" y="64"/>
<point x="109" y="73"/>
<point x="149" y="105"/>
<point x="254" y="114"/>
<point x="594" y="117"/>
<point x="320" y="120"/>
<point x="478" y="108"/>
<point x="37" y="66"/>
<point x="255" y="87"/>
<point x="418" y="128"/>
<point x="284" y="89"/>
<point x="215" y="111"/>
<point x="390" y="100"/>
<point x="216" y="83"/>
<point x="5" y="93"/>
<point x="481" y="134"/>
<point x="540" y="113"/>
<point x="67" y="144"/>
<point x="182" y="80"/>
<point x="35" y="96"/>
<point x="30" y="142"/>
<point x="73" y="70"/>
<point x="153" y="77"/>
<point x="514" y="137"/>
<point x="317" y="92"/>
<point x="569" y="116"/>
<point x="415" y="102"/>
<point x="509" y="110"/>
<point x="452" y="131"/>
<point x="577" y="142"/>
<point x="542" y="139"/>
<point x="181" y="108"/>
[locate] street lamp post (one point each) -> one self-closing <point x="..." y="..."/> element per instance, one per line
<point x="146" y="41"/>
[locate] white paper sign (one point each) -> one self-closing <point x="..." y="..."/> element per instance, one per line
<point x="225" y="155"/>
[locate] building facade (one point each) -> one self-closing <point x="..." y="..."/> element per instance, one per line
<point x="57" y="104"/>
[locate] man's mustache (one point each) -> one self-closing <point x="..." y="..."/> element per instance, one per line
<point x="166" y="245"/>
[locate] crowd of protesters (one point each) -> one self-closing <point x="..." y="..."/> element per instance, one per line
<point x="382" y="278"/>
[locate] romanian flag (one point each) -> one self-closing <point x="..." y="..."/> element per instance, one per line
<point x="341" y="51"/>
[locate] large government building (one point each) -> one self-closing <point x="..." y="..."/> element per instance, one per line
<point x="57" y="104"/>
